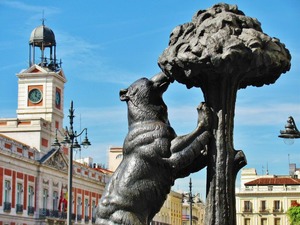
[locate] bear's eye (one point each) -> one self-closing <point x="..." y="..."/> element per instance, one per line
<point x="133" y="91"/>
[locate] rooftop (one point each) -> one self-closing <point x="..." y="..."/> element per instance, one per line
<point x="42" y="36"/>
<point x="274" y="181"/>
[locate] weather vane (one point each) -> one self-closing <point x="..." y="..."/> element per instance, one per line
<point x="43" y="18"/>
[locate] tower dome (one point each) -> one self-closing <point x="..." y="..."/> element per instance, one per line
<point x="43" y="37"/>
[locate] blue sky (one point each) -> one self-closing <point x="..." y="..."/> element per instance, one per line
<point x="106" y="45"/>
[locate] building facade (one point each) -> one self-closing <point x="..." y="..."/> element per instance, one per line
<point x="198" y="212"/>
<point x="33" y="174"/>
<point x="171" y="211"/>
<point x="34" y="189"/>
<point x="115" y="156"/>
<point x="265" y="199"/>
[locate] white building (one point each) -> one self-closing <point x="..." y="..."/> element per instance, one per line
<point x="265" y="199"/>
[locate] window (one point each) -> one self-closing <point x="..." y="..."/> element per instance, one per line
<point x="263" y="221"/>
<point x="7" y="191"/>
<point x="263" y="206"/>
<point x="30" y="196"/>
<point x="19" y="205"/>
<point x="86" y="210"/>
<point x="276" y="221"/>
<point x="93" y="209"/>
<point x="7" y="196"/>
<point x="276" y="207"/>
<point x="19" y="193"/>
<point x="79" y="213"/>
<point x="30" y="200"/>
<point x="247" y="221"/>
<point x="247" y="206"/>
<point x="86" y="207"/>
<point x="45" y="198"/>
<point x="55" y="200"/>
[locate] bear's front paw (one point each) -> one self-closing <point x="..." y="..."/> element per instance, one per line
<point x="204" y="116"/>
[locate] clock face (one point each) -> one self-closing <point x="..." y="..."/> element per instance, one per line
<point x="57" y="99"/>
<point x="35" y="95"/>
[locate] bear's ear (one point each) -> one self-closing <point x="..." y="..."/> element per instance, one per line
<point x="123" y="95"/>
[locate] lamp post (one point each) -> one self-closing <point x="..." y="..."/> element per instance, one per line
<point x="290" y="132"/>
<point x="190" y="199"/>
<point x="191" y="202"/>
<point x="71" y="140"/>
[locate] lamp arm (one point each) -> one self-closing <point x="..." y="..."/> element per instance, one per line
<point x="85" y="129"/>
<point x="67" y="132"/>
<point x="61" y="133"/>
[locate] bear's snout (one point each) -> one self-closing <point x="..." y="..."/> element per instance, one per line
<point x="160" y="80"/>
<point x="123" y="95"/>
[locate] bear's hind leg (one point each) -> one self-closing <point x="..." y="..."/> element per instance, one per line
<point x="120" y="217"/>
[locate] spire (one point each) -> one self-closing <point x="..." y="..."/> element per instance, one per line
<point x="43" y="19"/>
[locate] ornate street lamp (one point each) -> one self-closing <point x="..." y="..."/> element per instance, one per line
<point x="291" y="132"/>
<point x="190" y="199"/>
<point x="70" y="139"/>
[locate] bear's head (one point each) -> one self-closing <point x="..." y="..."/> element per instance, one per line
<point x="144" y="99"/>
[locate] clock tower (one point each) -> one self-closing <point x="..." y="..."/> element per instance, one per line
<point x="41" y="85"/>
<point x="40" y="94"/>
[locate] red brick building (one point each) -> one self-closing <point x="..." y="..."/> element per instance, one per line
<point x="33" y="175"/>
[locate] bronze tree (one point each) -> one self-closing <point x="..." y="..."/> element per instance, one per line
<point x="221" y="50"/>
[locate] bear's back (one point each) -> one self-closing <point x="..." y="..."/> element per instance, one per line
<point x="151" y="137"/>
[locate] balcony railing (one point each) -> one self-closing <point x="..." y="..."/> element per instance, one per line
<point x="7" y="206"/>
<point x="93" y="219"/>
<point x="44" y="212"/>
<point x="187" y="217"/>
<point x="247" y="210"/>
<point x="62" y="215"/>
<point x="273" y="189"/>
<point x="54" y="213"/>
<point x="30" y="210"/>
<point x="86" y="219"/>
<point x="263" y="210"/>
<point x="19" y="208"/>
<point x="277" y="210"/>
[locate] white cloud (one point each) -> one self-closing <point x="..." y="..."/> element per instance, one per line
<point x="36" y="11"/>
<point x="28" y="7"/>
<point x="21" y="6"/>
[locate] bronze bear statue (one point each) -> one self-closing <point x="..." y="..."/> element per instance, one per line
<point x="153" y="156"/>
